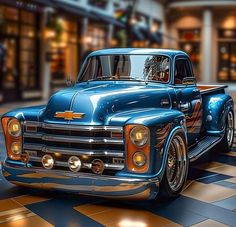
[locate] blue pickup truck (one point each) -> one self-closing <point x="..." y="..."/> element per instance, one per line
<point x="128" y="128"/>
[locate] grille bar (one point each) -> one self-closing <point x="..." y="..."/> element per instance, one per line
<point x="73" y="127"/>
<point x="68" y="151"/>
<point x="73" y="139"/>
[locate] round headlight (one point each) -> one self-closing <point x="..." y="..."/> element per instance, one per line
<point x="74" y="163"/>
<point x="139" y="135"/>
<point x="48" y="161"/>
<point x="14" y="128"/>
<point x="139" y="158"/>
<point x="16" y="148"/>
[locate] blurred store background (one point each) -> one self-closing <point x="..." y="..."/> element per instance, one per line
<point x="43" y="42"/>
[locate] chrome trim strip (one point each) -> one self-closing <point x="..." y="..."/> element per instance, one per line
<point x="107" y="166"/>
<point x="73" y="127"/>
<point x="87" y="175"/>
<point x="73" y="139"/>
<point x="68" y="151"/>
<point x="32" y="123"/>
<point x="84" y="165"/>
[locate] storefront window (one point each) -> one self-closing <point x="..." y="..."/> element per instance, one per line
<point x="18" y="27"/>
<point x="27" y="31"/>
<point x="227" y="55"/>
<point x="10" y="28"/>
<point x="9" y="13"/>
<point x="189" y="41"/>
<point x="95" y="38"/>
<point x="64" y="52"/>
<point x="28" y="73"/>
<point x="27" y="17"/>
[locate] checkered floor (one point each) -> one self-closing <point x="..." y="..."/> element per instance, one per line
<point x="209" y="199"/>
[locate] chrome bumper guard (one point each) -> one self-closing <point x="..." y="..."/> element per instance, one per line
<point x="82" y="183"/>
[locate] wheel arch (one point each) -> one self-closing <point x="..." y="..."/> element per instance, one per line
<point x="216" y="108"/>
<point x="174" y="131"/>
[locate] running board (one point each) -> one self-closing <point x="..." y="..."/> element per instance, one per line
<point x="202" y="147"/>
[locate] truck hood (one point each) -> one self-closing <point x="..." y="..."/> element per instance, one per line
<point x="98" y="101"/>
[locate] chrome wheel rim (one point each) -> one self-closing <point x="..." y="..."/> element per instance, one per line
<point x="230" y="128"/>
<point x="176" y="163"/>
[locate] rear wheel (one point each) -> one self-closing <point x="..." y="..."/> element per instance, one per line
<point x="227" y="141"/>
<point x="176" y="168"/>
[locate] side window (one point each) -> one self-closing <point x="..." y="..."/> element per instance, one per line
<point x="182" y="70"/>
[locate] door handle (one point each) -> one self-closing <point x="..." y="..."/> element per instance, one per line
<point x="195" y="91"/>
<point x="184" y="106"/>
<point x="165" y="102"/>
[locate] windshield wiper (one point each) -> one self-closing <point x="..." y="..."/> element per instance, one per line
<point x="115" y="78"/>
<point x="132" y="78"/>
<point x="101" y="78"/>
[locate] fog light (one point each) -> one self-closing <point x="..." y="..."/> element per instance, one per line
<point x="139" y="158"/>
<point x="74" y="163"/>
<point x="14" y="128"/>
<point x="48" y="161"/>
<point x="98" y="166"/>
<point x="16" y="148"/>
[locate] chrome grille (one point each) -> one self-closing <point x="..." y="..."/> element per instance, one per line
<point x="63" y="141"/>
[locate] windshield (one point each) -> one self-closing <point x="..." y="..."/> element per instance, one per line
<point x="127" y="67"/>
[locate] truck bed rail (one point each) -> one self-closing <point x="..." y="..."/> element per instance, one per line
<point x="204" y="89"/>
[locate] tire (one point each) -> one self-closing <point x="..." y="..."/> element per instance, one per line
<point x="176" y="173"/>
<point x="228" y="139"/>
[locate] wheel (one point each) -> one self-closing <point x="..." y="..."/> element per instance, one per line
<point x="227" y="141"/>
<point x="176" y="170"/>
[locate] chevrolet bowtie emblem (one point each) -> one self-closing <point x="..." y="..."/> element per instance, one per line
<point x="69" y="115"/>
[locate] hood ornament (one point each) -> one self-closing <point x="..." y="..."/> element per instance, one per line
<point x="69" y="115"/>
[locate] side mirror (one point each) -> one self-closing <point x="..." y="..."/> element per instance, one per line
<point x="69" y="81"/>
<point x="189" y="81"/>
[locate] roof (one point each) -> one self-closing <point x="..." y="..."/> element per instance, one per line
<point x="168" y="52"/>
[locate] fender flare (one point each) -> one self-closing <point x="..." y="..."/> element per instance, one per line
<point x="216" y="108"/>
<point x="174" y="131"/>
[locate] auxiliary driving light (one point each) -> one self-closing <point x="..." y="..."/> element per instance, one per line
<point x="14" y="127"/>
<point x="98" y="166"/>
<point x="139" y="158"/>
<point x="74" y="163"/>
<point x="48" y="161"/>
<point x="16" y="148"/>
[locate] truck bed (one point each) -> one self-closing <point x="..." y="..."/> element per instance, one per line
<point x="205" y="89"/>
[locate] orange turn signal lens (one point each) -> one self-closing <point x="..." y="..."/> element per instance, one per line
<point x="137" y="139"/>
<point x="12" y="132"/>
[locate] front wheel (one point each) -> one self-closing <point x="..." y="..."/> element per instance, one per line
<point x="227" y="141"/>
<point x="176" y="168"/>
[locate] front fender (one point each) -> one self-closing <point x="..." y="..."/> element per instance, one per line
<point x="215" y="110"/>
<point x="149" y="117"/>
<point x="27" y="113"/>
<point x="161" y="123"/>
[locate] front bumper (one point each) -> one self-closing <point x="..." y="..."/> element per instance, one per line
<point x="82" y="183"/>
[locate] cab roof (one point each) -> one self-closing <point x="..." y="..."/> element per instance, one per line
<point x="116" y="51"/>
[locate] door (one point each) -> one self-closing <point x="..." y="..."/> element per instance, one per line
<point x="188" y="99"/>
<point x="9" y="69"/>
